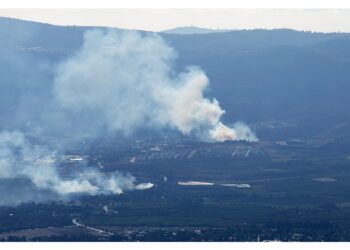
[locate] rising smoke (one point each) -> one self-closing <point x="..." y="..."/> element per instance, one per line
<point x="117" y="82"/>
<point x="21" y="159"/>
<point x="126" y="82"/>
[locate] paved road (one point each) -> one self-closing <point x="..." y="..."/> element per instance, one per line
<point x="99" y="231"/>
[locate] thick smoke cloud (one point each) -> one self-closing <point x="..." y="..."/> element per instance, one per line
<point x="124" y="81"/>
<point x="118" y="82"/>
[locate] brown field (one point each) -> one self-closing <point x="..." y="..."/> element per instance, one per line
<point x="41" y="232"/>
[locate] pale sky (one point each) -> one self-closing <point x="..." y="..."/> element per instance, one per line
<point x="318" y="20"/>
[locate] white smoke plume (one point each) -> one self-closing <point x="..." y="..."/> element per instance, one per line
<point x="21" y="159"/>
<point x="124" y="81"/>
<point x="239" y="132"/>
<point x="117" y="82"/>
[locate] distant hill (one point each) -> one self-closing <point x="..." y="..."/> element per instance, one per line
<point x="285" y="83"/>
<point x="191" y="30"/>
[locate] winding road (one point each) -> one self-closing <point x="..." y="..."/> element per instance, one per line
<point x="99" y="231"/>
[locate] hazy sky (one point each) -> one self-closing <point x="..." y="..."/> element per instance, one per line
<point x="321" y="20"/>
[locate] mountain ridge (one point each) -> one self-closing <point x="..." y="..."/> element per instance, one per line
<point x="252" y="73"/>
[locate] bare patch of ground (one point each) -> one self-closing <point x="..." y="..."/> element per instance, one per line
<point x="195" y="183"/>
<point x="324" y="179"/>
<point x="41" y="232"/>
<point x="343" y="204"/>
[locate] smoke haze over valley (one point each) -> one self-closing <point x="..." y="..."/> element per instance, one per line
<point x="117" y="82"/>
<point x="192" y="134"/>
